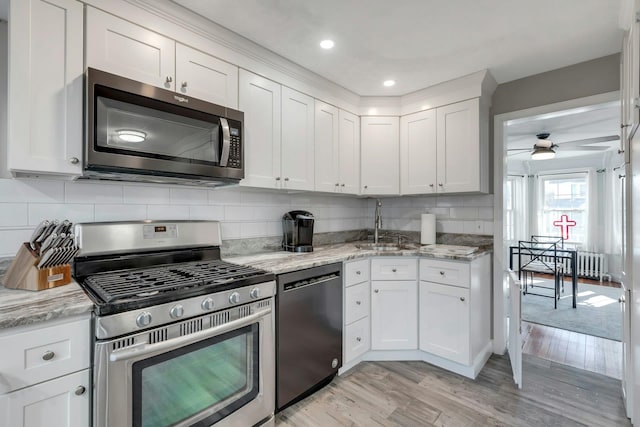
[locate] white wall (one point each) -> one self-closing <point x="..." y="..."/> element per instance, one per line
<point x="244" y="212"/>
<point x="462" y="214"/>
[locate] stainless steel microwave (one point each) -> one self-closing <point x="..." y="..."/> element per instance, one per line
<point x="139" y="132"/>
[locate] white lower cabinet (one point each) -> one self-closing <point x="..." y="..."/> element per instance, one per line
<point x="394" y="315"/>
<point x="44" y="374"/>
<point x="60" y="402"/>
<point x="357" y="331"/>
<point x="444" y="321"/>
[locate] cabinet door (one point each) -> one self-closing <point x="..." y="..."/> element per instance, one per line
<point x="418" y="153"/>
<point x="205" y="77"/>
<point x="260" y="101"/>
<point x="349" y="170"/>
<point x="459" y="147"/>
<point x="444" y="321"/>
<point x="297" y="140"/>
<point x="357" y="337"/>
<point x="380" y="151"/>
<point x="120" y="47"/>
<point x="45" y="87"/>
<point x="394" y="315"/>
<point x="60" y="402"/>
<point x="326" y="147"/>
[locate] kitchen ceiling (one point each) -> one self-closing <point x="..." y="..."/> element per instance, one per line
<point x="576" y="124"/>
<point x="419" y="43"/>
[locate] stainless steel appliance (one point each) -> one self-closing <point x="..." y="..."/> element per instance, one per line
<point x="297" y="230"/>
<point x="138" y="132"/>
<point x="309" y="331"/>
<point x="181" y="337"/>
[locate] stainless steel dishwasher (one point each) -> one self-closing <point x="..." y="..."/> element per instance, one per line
<point x="308" y="331"/>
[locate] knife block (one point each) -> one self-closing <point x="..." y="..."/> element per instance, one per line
<point x="23" y="273"/>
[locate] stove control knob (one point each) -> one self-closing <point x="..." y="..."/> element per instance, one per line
<point x="143" y="319"/>
<point x="176" y="311"/>
<point x="234" y="298"/>
<point x="207" y="304"/>
<point x="255" y="293"/>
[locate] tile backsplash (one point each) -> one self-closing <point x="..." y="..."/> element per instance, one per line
<point x="245" y="213"/>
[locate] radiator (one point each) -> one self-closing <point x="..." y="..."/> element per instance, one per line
<point x="590" y="265"/>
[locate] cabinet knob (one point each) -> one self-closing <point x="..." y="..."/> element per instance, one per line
<point x="394" y="270"/>
<point x="440" y="185"/>
<point x="442" y="273"/>
<point x="431" y="185"/>
<point x="48" y="355"/>
<point x="376" y="291"/>
<point x="341" y="185"/>
<point x="286" y="179"/>
<point x="462" y="299"/>
<point x="277" y="178"/>
<point x="80" y="390"/>
<point x="337" y="184"/>
<point x="366" y="186"/>
<point x="358" y="272"/>
<point x="169" y="79"/>
<point x="184" y="85"/>
<point x="74" y="160"/>
<point x="358" y="339"/>
<point x="358" y="302"/>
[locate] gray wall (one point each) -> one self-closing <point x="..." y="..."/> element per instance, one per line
<point x="589" y="78"/>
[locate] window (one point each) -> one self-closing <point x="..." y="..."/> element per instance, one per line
<point x="515" y="206"/>
<point x="564" y="206"/>
<point x="509" y="226"/>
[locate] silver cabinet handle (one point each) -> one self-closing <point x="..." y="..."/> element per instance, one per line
<point x="169" y="79"/>
<point x="277" y="178"/>
<point x="442" y="273"/>
<point x="358" y="339"/>
<point x="74" y="160"/>
<point x="337" y="184"/>
<point x="358" y="302"/>
<point x="286" y="179"/>
<point x="462" y="299"/>
<point x="431" y="185"/>
<point x="80" y="390"/>
<point x="440" y="184"/>
<point x="376" y="291"/>
<point x="48" y="355"/>
<point x="184" y="85"/>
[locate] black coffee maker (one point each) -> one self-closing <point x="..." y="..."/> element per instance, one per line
<point x="297" y="229"/>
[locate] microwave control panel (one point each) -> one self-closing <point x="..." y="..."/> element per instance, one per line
<point x="235" y="148"/>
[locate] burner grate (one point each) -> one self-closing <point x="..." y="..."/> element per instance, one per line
<point x="148" y="282"/>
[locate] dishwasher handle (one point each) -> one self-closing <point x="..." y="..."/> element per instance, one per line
<point x="309" y="282"/>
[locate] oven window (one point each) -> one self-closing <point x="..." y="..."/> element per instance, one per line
<point x="200" y="383"/>
<point x="126" y="128"/>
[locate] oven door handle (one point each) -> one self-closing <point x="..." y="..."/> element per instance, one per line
<point x="173" y="343"/>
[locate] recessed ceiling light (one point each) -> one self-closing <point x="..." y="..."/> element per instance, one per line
<point x="389" y="83"/>
<point x="130" y="135"/>
<point x="327" y="44"/>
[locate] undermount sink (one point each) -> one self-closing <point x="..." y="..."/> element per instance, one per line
<point x="382" y="246"/>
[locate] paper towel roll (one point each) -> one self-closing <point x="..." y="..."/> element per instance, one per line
<point x="428" y="229"/>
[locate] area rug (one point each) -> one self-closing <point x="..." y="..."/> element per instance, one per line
<point x="597" y="313"/>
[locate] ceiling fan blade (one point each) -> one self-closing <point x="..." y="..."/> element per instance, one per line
<point x="518" y="149"/>
<point x="586" y="148"/>
<point x="583" y="143"/>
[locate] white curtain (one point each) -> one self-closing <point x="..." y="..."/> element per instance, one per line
<point x="594" y="224"/>
<point x="612" y="212"/>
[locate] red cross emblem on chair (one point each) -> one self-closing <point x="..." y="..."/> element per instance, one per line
<point x="564" y="223"/>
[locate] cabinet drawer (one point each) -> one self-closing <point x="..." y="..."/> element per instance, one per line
<point x="394" y="269"/>
<point x="356" y="303"/>
<point x="445" y="272"/>
<point x="38" y="355"/>
<point x="357" y="339"/>
<point x="356" y="272"/>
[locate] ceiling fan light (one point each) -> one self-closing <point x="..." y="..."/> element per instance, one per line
<point x="543" y="153"/>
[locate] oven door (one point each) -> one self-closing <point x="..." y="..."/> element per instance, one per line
<point x="222" y="374"/>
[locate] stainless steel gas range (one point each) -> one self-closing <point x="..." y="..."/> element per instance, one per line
<point x="181" y="337"/>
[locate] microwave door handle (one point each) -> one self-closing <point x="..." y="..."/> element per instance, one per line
<point x="226" y="142"/>
<point x="164" y="346"/>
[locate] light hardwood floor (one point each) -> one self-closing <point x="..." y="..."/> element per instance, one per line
<point x="582" y="351"/>
<point x="419" y="394"/>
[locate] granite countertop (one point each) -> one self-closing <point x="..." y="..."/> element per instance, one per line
<point x="19" y="308"/>
<point x="284" y="262"/>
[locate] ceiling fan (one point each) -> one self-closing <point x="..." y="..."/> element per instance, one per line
<point x="545" y="149"/>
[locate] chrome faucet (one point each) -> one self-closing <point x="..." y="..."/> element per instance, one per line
<point x="377" y="225"/>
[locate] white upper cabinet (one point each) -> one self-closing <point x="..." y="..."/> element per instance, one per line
<point x="459" y="150"/>
<point x="45" y="87"/>
<point x="260" y="100"/>
<point x="349" y="153"/>
<point x="380" y="151"/>
<point x="327" y="152"/>
<point x="204" y="77"/>
<point x="418" y="161"/>
<point x="298" y="111"/>
<point x="120" y="47"/>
